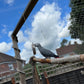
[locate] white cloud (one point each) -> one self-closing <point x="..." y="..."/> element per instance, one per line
<point x="4" y="29"/>
<point x="20" y="35"/>
<point x="5" y="47"/>
<point x="3" y="25"/>
<point x="9" y="34"/>
<point x="65" y="32"/>
<point x="25" y="54"/>
<point x="47" y="29"/>
<point x="46" y="26"/>
<point x="9" y="2"/>
<point x="76" y="40"/>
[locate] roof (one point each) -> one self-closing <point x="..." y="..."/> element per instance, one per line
<point x="66" y="49"/>
<point x="6" y="58"/>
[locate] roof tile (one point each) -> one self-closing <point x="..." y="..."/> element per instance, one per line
<point x="66" y="49"/>
<point x="6" y="58"/>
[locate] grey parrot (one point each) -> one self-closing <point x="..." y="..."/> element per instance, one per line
<point x="46" y="53"/>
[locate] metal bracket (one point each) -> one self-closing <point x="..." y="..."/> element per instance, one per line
<point x="17" y="49"/>
<point x="20" y="60"/>
<point x="20" y="71"/>
<point x="14" y="37"/>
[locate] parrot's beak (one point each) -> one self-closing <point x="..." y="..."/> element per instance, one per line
<point x="34" y="45"/>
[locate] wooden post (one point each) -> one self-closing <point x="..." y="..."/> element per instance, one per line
<point x="18" y="60"/>
<point x="36" y="78"/>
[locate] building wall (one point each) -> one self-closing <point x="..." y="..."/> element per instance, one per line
<point x="68" y="54"/>
<point x="5" y="70"/>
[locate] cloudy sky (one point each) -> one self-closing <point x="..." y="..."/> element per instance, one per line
<point x="47" y="24"/>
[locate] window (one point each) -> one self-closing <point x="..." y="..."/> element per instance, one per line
<point x="11" y="66"/>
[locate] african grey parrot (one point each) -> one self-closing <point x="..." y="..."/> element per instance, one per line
<point x="46" y="53"/>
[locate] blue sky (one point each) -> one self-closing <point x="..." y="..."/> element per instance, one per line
<point x="47" y="24"/>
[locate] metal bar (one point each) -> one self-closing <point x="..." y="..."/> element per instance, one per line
<point x="13" y="80"/>
<point x="60" y="60"/>
<point x="24" y="16"/>
<point x="38" y="72"/>
<point x="46" y="77"/>
<point x="19" y="63"/>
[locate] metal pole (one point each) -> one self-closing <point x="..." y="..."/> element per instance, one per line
<point x="18" y="60"/>
<point x="26" y="13"/>
<point x="23" y="18"/>
<point x="46" y="77"/>
<point x="13" y="80"/>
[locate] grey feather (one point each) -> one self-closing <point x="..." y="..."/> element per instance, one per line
<point x="45" y="52"/>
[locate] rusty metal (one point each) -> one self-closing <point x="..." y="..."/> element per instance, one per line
<point x="46" y="77"/>
<point x="37" y="78"/>
<point x="24" y="16"/>
<point x="13" y="80"/>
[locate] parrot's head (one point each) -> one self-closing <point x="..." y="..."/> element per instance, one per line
<point x="37" y="45"/>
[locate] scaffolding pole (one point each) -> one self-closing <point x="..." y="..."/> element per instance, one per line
<point x="24" y="16"/>
<point x="69" y="59"/>
<point x="18" y="60"/>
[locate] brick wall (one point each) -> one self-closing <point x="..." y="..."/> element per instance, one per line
<point x="4" y="69"/>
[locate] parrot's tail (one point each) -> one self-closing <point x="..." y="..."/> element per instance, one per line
<point x="56" y="56"/>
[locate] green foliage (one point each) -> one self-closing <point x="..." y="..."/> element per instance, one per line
<point x="80" y="49"/>
<point x="63" y="43"/>
<point x="77" y="22"/>
<point x="27" y="66"/>
<point x="77" y="19"/>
